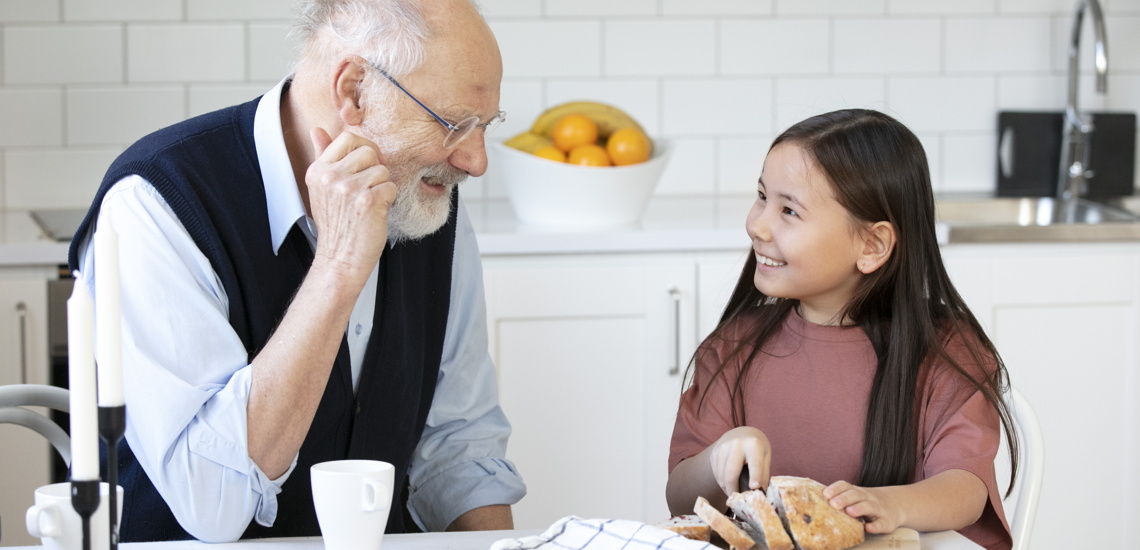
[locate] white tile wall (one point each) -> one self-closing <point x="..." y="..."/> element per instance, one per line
<point x="56" y="178"/>
<point x="667" y="47"/>
<point x="718" y="78"/>
<point x="178" y="53"/>
<point x="121" y="10"/>
<point x="63" y="54"/>
<point x="901" y="45"/>
<point x="775" y="46"/>
<point x="32" y="116"/>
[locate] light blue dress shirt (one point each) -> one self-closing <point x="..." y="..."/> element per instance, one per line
<point x="186" y="379"/>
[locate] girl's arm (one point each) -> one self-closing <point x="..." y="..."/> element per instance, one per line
<point x="949" y="500"/>
<point x="715" y="472"/>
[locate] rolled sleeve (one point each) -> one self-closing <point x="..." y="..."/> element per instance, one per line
<point x="463" y="487"/>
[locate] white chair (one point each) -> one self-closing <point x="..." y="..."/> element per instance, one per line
<point x="13" y="399"/>
<point x="1021" y="505"/>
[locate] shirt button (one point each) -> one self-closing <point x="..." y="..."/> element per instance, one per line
<point x="359" y="328"/>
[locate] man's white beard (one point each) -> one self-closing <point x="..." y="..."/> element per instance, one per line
<point x="416" y="214"/>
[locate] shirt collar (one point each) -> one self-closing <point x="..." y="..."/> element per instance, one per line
<point x="282" y="198"/>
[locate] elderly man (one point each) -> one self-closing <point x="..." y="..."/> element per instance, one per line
<point x="251" y="237"/>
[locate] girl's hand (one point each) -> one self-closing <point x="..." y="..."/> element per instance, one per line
<point x="874" y="504"/>
<point x="734" y="449"/>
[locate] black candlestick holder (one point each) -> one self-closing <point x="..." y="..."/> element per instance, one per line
<point x="112" y="425"/>
<point x="85" y="500"/>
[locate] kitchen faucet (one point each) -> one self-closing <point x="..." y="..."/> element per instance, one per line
<point x="1074" y="171"/>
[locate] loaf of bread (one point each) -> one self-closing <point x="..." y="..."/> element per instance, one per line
<point x="809" y="519"/>
<point x="763" y="525"/>
<point x="690" y="527"/>
<point x="736" y="537"/>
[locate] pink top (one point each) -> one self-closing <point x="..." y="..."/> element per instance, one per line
<point x="809" y="396"/>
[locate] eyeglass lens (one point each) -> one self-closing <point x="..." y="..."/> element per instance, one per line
<point x="464" y="128"/>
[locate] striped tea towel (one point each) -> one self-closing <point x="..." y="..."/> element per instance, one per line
<point x="575" y="533"/>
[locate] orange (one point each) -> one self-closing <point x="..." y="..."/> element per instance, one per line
<point x="628" y="146"/>
<point x="573" y="130"/>
<point x="550" y="152"/>
<point x="589" y="154"/>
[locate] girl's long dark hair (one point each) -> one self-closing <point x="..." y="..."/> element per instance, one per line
<point x="908" y="308"/>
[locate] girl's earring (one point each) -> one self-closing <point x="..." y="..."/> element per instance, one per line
<point x="860" y="267"/>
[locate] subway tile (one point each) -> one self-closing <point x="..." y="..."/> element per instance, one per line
<point x="31" y="117"/>
<point x="1035" y="6"/>
<point x="638" y="98"/>
<point x="1123" y="37"/>
<point x="511" y="8"/>
<point x="472" y="189"/>
<point x="887" y="46"/>
<point x="579" y="8"/>
<point x="1122" y="6"/>
<point x="932" y="146"/>
<point x="121" y="115"/>
<point x="674" y="213"/>
<point x="522" y="100"/>
<point x="24" y="11"/>
<point x="57" y="178"/>
<point x="271" y="51"/>
<point x="998" y="45"/>
<point x="1123" y="93"/>
<point x="245" y="9"/>
<point x="831" y="7"/>
<point x="494" y="187"/>
<point x="549" y="48"/>
<point x="660" y="48"/>
<point x="716" y="7"/>
<point x="205" y="98"/>
<point x="19" y="227"/>
<point x="970" y="163"/>
<point x="800" y="98"/>
<point x="1031" y="93"/>
<point x="122" y="10"/>
<point x="73" y="54"/>
<point x="185" y="53"/>
<point x="944" y="104"/>
<point x="717" y="107"/>
<point x="775" y="46"/>
<point x="739" y="163"/>
<point x="690" y="169"/>
<point x="941" y="7"/>
<point x="732" y="213"/>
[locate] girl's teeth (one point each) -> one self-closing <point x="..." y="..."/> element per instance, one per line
<point x="768" y="261"/>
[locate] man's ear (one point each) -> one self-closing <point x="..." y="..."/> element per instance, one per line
<point x="346" y="88"/>
<point x="878" y="244"/>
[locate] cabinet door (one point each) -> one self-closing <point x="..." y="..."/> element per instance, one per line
<point x="24" y="454"/>
<point x="587" y="359"/>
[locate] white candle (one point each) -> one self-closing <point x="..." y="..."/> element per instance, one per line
<point x="81" y="382"/>
<point x="107" y="317"/>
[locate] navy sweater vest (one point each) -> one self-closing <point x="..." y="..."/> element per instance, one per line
<point x="206" y="168"/>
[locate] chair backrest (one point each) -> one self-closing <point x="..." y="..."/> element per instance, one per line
<point x="1021" y="506"/>
<point x="13" y="399"/>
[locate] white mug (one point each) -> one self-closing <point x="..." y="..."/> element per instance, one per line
<point x="57" y="524"/>
<point x="352" y="498"/>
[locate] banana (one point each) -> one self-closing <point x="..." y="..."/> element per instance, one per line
<point x="608" y="118"/>
<point x="528" y="142"/>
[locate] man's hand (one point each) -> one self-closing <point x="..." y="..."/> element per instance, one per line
<point x="349" y="198"/>
<point x="883" y="513"/>
<point x="734" y="449"/>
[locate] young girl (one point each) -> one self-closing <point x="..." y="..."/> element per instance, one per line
<point x="845" y="354"/>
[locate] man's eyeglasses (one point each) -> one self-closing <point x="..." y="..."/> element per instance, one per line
<point x="456" y="132"/>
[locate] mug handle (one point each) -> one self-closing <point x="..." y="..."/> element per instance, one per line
<point x="379" y="492"/>
<point x="35" y="521"/>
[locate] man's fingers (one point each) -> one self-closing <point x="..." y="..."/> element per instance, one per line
<point x="320" y="139"/>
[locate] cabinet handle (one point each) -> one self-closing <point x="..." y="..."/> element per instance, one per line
<point x="676" y="295"/>
<point x="22" y="313"/>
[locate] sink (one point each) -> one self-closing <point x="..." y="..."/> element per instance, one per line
<point x="1035" y="220"/>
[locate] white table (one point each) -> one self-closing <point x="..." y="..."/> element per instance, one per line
<point x="480" y="540"/>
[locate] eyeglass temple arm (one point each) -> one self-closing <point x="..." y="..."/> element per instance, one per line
<point x="435" y="116"/>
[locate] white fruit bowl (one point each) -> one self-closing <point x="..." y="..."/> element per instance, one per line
<point x="545" y="192"/>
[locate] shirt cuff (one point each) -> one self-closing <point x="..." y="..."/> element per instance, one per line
<point x="464" y="487"/>
<point x="266" y="512"/>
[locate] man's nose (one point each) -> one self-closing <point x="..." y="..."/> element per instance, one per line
<point x="471" y="154"/>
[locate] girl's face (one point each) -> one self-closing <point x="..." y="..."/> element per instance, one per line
<point x="805" y="244"/>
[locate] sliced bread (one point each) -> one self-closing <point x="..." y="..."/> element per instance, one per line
<point x="729" y="531"/>
<point x="753" y="508"/>
<point x="690" y="527"/>
<point x="809" y="519"/>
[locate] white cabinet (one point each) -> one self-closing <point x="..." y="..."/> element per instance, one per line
<point x="24" y="454"/>
<point x="589" y="366"/>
